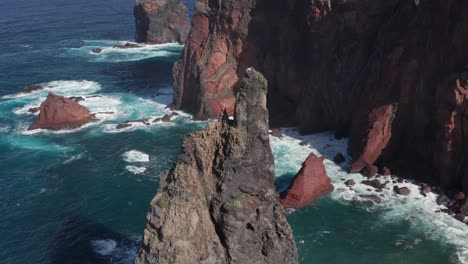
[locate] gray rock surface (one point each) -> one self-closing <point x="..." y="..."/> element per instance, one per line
<point x="218" y="203"/>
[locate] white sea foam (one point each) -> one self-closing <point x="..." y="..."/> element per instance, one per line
<point x="119" y="252"/>
<point x="135" y="169"/>
<point x="62" y="87"/>
<point x="104" y="247"/>
<point x="4" y="129"/>
<point x="420" y="211"/>
<point x="111" y="54"/>
<point x="73" y="158"/>
<point x="134" y="156"/>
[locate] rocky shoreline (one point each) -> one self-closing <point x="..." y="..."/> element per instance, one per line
<point x="370" y="70"/>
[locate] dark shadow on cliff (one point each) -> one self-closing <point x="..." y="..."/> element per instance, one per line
<point x="83" y="241"/>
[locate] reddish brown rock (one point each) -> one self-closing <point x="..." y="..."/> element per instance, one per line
<point x="390" y="72"/>
<point x="31" y="88"/>
<point x="34" y="110"/>
<point x="459" y="196"/>
<point x="401" y="190"/>
<point x="161" y="21"/>
<point x="276" y="133"/>
<point x="58" y="112"/>
<point x="309" y="184"/>
<point x="386" y="171"/>
<point x="442" y="199"/>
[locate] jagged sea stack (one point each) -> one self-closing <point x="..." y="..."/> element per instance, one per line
<point x="161" y="21"/>
<point x="218" y="204"/>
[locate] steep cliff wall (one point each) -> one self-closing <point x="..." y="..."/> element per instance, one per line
<point x="161" y="21"/>
<point x="218" y="203"/>
<point x="389" y="73"/>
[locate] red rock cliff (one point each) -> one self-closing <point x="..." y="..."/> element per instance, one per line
<point x="161" y="21"/>
<point x="391" y="73"/>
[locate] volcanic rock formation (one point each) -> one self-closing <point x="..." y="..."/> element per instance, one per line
<point x="389" y="73"/>
<point x="58" y="112"/>
<point x="161" y="21"/>
<point x="218" y="203"/>
<point x="309" y="184"/>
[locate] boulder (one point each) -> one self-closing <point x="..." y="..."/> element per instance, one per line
<point x="459" y="196"/>
<point x="386" y="171"/>
<point x="308" y="185"/>
<point x="460" y="217"/>
<point x="401" y="190"/>
<point x="350" y="183"/>
<point x="58" y="112"/>
<point x="374" y="183"/>
<point x="161" y="21"/>
<point x="96" y="50"/>
<point x="369" y="171"/>
<point x="123" y="125"/>
<point x="276" y="133"/>
<point x="127" y="45"/>
<point x="165" y="118"/>
<point x="426" y="189"/>
<point x="442" y="199"/>
<point x="31" y="88"/>
<point x="34" y="110"/>
<point x="339" y="158"/>
<point x="76" y="98"/>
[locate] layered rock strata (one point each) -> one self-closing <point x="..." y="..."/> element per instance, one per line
<point x="391" y="74"/>
<point x="218" y="203"/>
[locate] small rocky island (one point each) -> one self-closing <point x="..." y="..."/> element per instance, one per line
<point x="218" y="203"/>
<point x="58" y="112"/>
<point x="161" y="21"/>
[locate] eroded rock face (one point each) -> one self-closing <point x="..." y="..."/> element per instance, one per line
<point x="161" y="21"/>
<point x="308" y="185"/>
<point x="412" y="111"/>
<point x="58" y="112"/>
<point x="390" y="73"/>
<point x="218" y="203"/>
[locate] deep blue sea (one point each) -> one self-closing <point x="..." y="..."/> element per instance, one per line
<point x="81" y="196"/>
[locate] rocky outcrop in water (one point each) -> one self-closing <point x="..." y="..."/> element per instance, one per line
<point x="58" y="112"/>
<point x="308" y="185"/>
<point x="218" y="203"/>
<point x="161" y="21"/>
<point x="391" y="74"/>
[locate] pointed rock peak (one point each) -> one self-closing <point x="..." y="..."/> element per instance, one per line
<point x="218" y="203"/>
<point x="251" y="111"/>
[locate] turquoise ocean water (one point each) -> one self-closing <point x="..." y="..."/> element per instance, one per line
<point x="81" y="196"/>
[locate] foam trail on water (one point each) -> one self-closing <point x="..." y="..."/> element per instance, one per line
<point x="135" y="169"/>
<point x="109" y="53"/>
<point x="104" y="247"/>
<point x="63" y="87"/>
<point x="417" y="209"/>
<point x="134" y="156"/>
